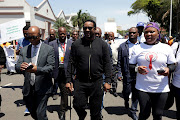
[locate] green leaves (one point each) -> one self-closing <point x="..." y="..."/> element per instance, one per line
<point x="80" y="18"/>
<point x="157" y="11"/>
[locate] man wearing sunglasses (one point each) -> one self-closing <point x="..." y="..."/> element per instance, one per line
<point x="90" y="58"/>
<point x="75" y="35"/>
<point x="62" y="48"/>
<point x="52" y="36"/>
<point x="23" y="41"/>
<point x="36" y="61"/>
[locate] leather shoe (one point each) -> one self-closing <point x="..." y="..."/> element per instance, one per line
<point x="62" y="116"/>
<point x="133" y="116"/>
<point x="115" y="94"/>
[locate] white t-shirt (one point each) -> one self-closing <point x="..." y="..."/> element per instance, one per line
<point x="176" y="77"/>
<point x="141" y="38"/>
<point x="154" y="57"/>
<point x="114" y="46"/>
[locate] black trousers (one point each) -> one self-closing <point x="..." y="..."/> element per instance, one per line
<point x="127" y="89"/>
<point x="61" y="80"/>
<point x="93" y="91"/>
<point x="36" y="104"/>
<point x="0" y="92"/>
<point x="176" y="92"/>
<point x="156" y="101"/>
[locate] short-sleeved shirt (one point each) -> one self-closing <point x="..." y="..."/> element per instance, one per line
<point x="176" y="77"/>
<point x="22" y="43"/>
<point x="154" y="57"/>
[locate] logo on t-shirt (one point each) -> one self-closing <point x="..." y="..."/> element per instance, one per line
<point x="151" y="57"/>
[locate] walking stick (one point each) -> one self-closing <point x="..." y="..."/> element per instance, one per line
<point x="70" y="105"/>
<point x="71" y="88"/>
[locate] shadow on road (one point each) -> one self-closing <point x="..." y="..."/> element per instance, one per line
<point x="170" y="114"/>
<point x="13" y="87"/>
<point x="19" y="103"/>
<point x="1" y="115"/>
<point x="120" y="94"/>
<point x="54" y="108"/>
<point x="116" y="110"/>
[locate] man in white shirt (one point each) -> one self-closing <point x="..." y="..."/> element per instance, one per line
<point x="140" y="27"/>
<point x="62" y="48"/>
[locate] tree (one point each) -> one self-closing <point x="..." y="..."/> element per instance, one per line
<point x="79" y="19"/>
<point x="60" y="22"/>
<point x="157" y="11"/>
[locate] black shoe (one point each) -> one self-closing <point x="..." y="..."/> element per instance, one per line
<point x="83" y="117"/>
<point x="133" y="116"/>
<point x="8" y="72"/>
<point x="11" y="73"/>
<point x="115" y="94"/>
<point x="62" y="116"/>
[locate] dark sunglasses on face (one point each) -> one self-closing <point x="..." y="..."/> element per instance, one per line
<point x="33" y="37"/>
<point x="90" y="28"/>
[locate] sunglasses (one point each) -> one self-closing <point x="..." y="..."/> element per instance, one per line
<point x="90" y="28"/>
<point x="33" y="37"/>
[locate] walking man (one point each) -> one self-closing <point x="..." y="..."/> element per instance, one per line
<point x="90" y="58"/>
<point x="62" y="48"/>
<point x="129" y="77"/>
<point x="38" y="82"/>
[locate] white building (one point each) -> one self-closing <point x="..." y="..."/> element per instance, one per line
<point x="41" y="15"/>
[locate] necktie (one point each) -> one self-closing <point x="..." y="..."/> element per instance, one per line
<point x="33" y="60"/>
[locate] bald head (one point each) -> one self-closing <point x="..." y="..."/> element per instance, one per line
<point x="52" y="34"/>
<point x="98" y="32"/>
<point x="33" y="29"/>
<point x="52" y="31"/>
<point x="111" y="35"/>
<point x="34" y="35"/>
<point x="62" y="34"/>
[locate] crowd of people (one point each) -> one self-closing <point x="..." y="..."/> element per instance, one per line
<point x="91" y="65"/>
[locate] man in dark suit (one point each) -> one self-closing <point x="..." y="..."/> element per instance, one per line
<point x="129" y="77"/>
<point x="52" y="36"/>
<point x="2" y="63"/>
<point x="62" y="48"/>
<point x="38" y="82"/>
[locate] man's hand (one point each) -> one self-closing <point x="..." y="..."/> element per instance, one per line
<point x="33" y="70"/>
<point x="120" y="78"/>
<point x="1" y="66"/>
<point x="69" y="86"/>
<point x="107" y="87"/>
<point x="24" y="65"/>
<point x="17" y="51"/>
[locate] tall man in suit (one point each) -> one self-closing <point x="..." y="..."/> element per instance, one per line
<point x="37" y="82"/>
<point x="62" y="48"/>
<point x="129" y="77"/>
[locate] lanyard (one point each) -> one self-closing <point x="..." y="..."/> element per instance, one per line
<point x="63" y="46"/>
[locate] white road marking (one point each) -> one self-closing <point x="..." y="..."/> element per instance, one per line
<point x="6" y="85"/>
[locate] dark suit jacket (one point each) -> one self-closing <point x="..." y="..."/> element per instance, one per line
<point x="55" y="45"/>
<point x="45" y="64"/>
<point x="123" y="63"/>
<point x="2" y="56"/>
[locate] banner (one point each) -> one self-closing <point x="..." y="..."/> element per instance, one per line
<point x="12" y="30"/>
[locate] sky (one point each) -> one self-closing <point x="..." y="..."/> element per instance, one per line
<point x="101" y="9"/>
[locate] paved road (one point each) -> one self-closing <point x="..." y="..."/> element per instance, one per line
<point x="13" y="108"/>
